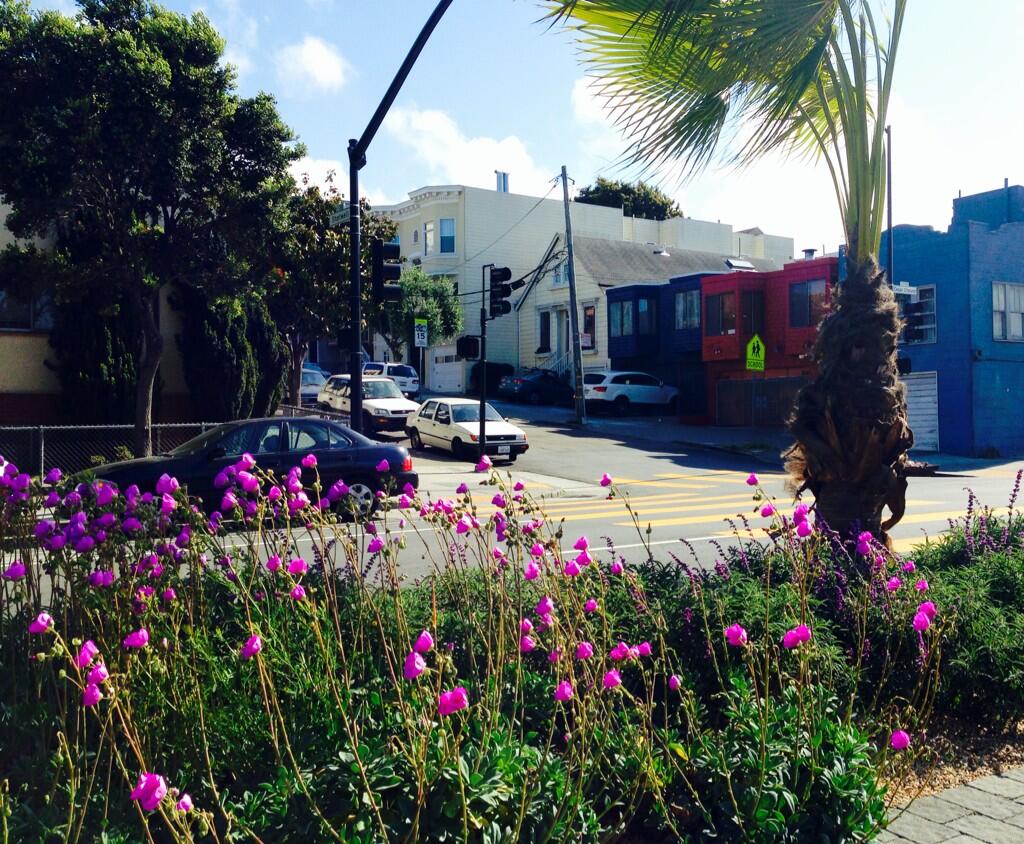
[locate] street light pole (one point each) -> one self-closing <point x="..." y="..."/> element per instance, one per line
<point x="888" y="200"/>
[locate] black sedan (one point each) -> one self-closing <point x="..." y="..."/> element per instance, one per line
<point x="536" y="386"/>
<point x="277" y="444"/>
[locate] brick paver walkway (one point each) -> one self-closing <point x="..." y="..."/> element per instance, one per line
<point x="986" y="811"/>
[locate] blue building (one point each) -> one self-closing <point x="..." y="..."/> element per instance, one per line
<point x="966" y="386"/>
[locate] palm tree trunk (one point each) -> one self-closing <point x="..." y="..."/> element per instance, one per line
<point x="850" y="422"/>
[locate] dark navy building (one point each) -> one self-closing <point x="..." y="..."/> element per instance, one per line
<point x="966" y="349"/>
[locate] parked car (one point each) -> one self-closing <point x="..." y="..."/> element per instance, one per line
<point x="620" y="391"/>
<point x="278" y="444"/>
<point x="453" y="424"/>
<point x="384" y="406"/>
<point x="315" y="367"/>
<point x="405" y="376"/>
<point x="310" y="386"/>
<point x="536" y="386"/>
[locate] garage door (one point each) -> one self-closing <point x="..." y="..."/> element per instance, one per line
<point x="447" y="371"/>
<point x="923" y="409"/>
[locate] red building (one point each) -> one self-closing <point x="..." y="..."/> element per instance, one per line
<point x="783" y="308"/>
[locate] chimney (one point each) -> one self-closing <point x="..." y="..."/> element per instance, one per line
<point x="809" y="254"/>
<point x="501" y="181"/>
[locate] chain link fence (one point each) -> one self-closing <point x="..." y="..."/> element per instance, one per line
<point x="73" y="448"/>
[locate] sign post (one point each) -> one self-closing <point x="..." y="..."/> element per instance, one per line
<point x="421" y="332"/>
<point x="755" y="354"/>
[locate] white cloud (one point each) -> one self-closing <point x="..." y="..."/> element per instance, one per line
<point x="326" y="173"/>
<point x="311" y="63"/>
<point x="239" y="30"/>
<point x="451" y="157"/>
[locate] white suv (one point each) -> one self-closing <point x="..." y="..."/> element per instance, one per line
<point x="405" y="376"/>
<point x="384" y="406"/>
<point x="619" y="391"/>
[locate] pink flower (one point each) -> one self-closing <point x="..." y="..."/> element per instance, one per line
<point x="893" y="583"/>
<point x="899" y="740"/>
<point x="525" y="626"/>
<point x="247" y="462"/>
<point x="404" y="502"/>
<point x="572" y="568"/>
<point x="768" y="510"/>
<point x="462" y="489"/>
<point x="526" y="644"/>
<point x="41" y="623"/>
<point x="590" y="605"/>
<point x="537" y="550"/>
<point x="606" y="479"/>
<point x="519" y="486"/>
<point x="921" y="585"/>
<point x="612" y="679"/>
<point x="453" y="701"/>
<point x="909" y="566"/>
<point x="922" y="622"/>
<point x="804" y="529"/>
<point x="297" y="593"/>
<point x="184" y="803"/>
<point x="674" y="682"/>
<point x="928" y="608"/>
<point x="790" y="641"/>
<point x="800" y="514"/>
<point x="87" y="653"/>
<point x="274" y="494"/>
<point x="531" y="570"/>
<point x="252" y="646"/>
<point x="137" y="639"/>
<point x="53" y="476"/>
<point x="414" y="665"/>
<point x="15" y="571"/>
<point x="499" y="501"/>
<point x="736" y="636"/>
<point x="584" y="650"/>
<point x="616" y="567"/>
<point x="298" y="566"/>
<point x="752" y="480"/>
<point x="309" y="461"/>
<point x="98" y="674"/>
<point x="424" y="642"/>
<point x="149" y="791"/>
<point x="91" y="695"/>
<point x="274" y="563"/>
<point x="803" y="633"/>
<point x="555" y="655"/>
<point x="484" y="464"/>
<point x="544" y="606"/>
<point x="619" y="652"/>
<point x="582" y="544"/>
<point x="409" y="490"/>
<point x="644" y="649"/>
<point x="375" y="545"/>
<point x="864" y="542"/>
<point x="383" y="466"/>
<point x="563" y="691"/>
<point x="464" y="524"/>
<point x="584" y="558"/>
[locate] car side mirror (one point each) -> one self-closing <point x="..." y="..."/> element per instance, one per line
<point x="216" y="453"/>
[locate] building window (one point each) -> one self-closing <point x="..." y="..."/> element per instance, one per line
<point x="17" y="314"/>
<point x="415" y="235"/>
<point x="687" y="309"/>
<point x="720" y="314"/>
<point x="620" y="316"/>
<point x="924" y="310"/>
<point x="544" y="333"/>
<point x="589" y="339"/>
<point x="560" y="276"/>
<point x="428" y="238"/>
<point x="447" y="235"/>
<point x="752" y="312"/>
<point x="807" y="304"/>
<point x="647" y="315"/>
<point x="1008" y="311"/>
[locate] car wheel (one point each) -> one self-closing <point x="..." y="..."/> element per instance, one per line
<point x="621" y="405"/>
<point x="459" y="450"/>
<point x="361" y="501"/>
<point x="415" y="441"/>
<point x="512" y="458"/>
<point x="368" y="426"/>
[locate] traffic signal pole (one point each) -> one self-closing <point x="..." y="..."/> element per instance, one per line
<point x="482" y="437"/>
<point x="356" y="161"/>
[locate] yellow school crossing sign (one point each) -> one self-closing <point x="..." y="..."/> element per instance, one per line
<point x="755" y="354"/>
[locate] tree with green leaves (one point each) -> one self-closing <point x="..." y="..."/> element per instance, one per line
<point x="733" y="80"/>
<point x="636" y="199"/>
<point x="121" y="131"/>
<point x="430" y="297"/>
<point x="309" y="284"/>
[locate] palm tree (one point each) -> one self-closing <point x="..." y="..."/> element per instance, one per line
<point x="690" y="82"/>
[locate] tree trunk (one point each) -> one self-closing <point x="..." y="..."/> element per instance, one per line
<point x="151" y="348"/>
<point x="850" y="422"/>
<point x="298" y="350"/>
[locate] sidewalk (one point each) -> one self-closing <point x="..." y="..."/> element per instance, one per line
<point x="989" y="810"/>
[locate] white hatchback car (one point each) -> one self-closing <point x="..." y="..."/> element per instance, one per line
<point x="384" y="406"/>
<point x="454" y="425"/>
<point x="619" y="391"/>
<point x="405" y="376"/>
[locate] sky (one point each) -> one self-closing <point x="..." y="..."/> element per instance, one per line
<point x="497" y="89"/>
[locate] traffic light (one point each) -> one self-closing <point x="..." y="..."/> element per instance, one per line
<point x="468" y="348"/>
<point x="385" y="269"/>
<point x="500" y="291"/>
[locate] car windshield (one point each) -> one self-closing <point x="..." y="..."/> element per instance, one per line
<point x="312" y="379"/>
<point x="471" y="413"/>
<point x="197" y="444"/>
<point x="381" y="390"/>
<point x="373" y="369"/>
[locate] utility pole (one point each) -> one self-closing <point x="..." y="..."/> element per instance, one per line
<point x="482" y="436"/>
<point x="888" y="200"/>
<point x="574" y="317"/>
<point x="356" y="161"/>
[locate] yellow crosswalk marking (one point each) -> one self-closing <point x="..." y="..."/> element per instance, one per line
<point x="637" y="502"/>
<point x="917" y="518"/>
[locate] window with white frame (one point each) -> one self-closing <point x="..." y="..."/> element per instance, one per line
<point x="25" y="314"/>
<point x="544" y="332"/>
<point x="687" y="309"/>
<point x="924" y="330"/>
<point x="1008" y="311"/>
<point x="447" y="235"/>
<point x="428" y="238"/>
<point x="559" y="277"/>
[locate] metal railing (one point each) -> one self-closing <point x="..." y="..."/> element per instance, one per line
<point x="72" y="448"/>
<point x="315" y="412"/>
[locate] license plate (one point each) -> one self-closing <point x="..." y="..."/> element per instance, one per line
<point x="504" y="449"/>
